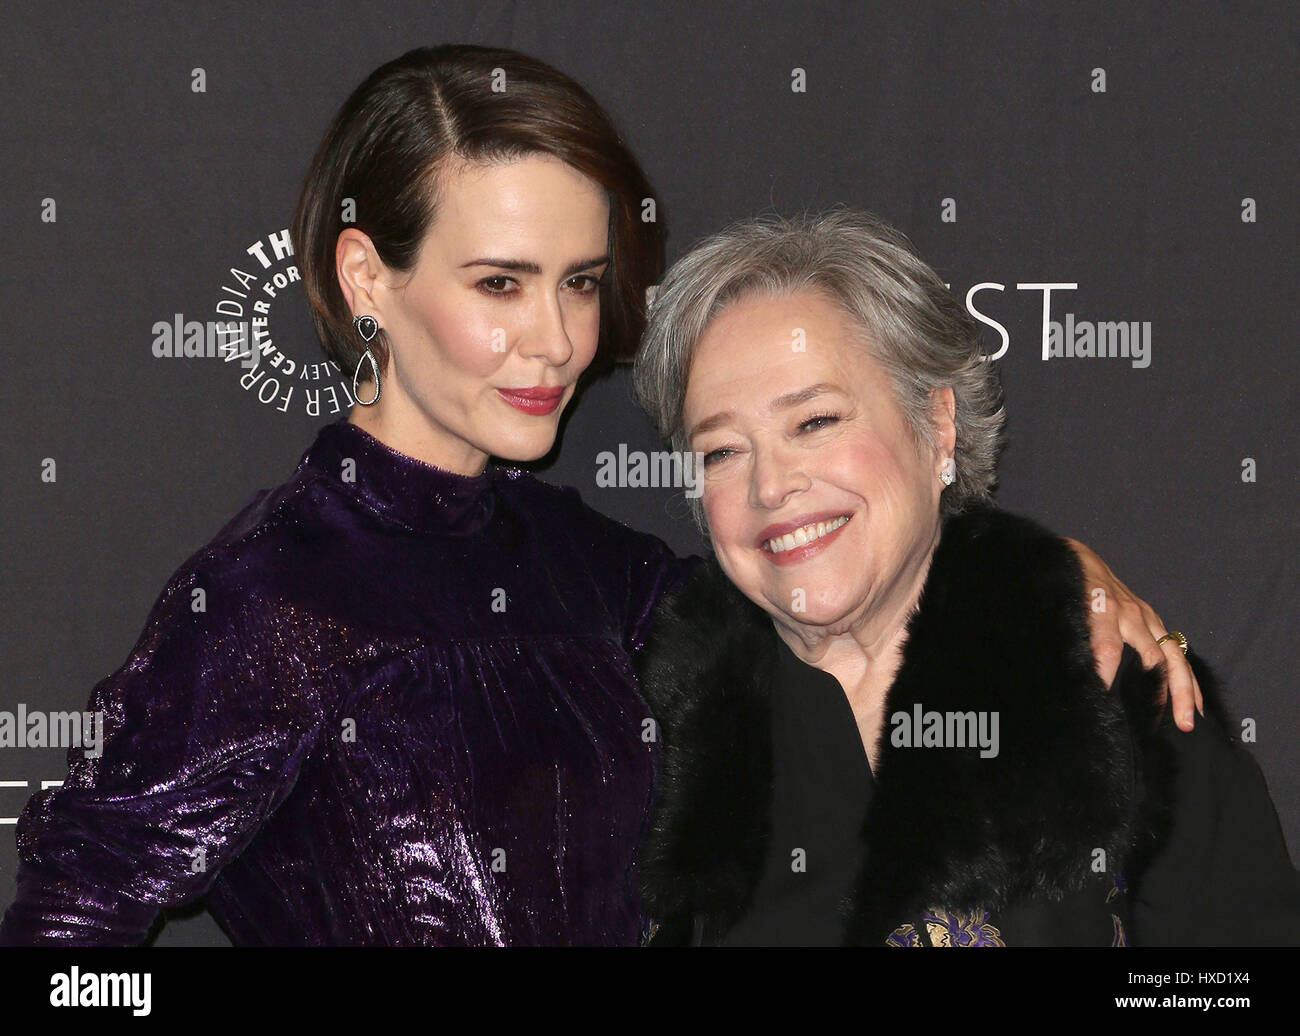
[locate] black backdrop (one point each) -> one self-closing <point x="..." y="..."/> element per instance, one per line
<point x="1143" y="152"/>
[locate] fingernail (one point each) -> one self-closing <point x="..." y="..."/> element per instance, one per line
<point x="1188" y="718"/>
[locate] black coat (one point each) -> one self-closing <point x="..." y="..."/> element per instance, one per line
<point x="1001" y="626"/>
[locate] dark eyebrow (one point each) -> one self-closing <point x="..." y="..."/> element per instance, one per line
<point x="790" y="399"/>
<point x="524" y="266"/>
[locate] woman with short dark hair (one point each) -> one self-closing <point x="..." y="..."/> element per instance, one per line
<point x="392" y="701"/>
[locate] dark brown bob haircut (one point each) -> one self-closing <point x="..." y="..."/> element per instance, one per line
<point x="433" y="107"/>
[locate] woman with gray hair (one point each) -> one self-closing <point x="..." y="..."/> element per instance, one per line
<point x="880" y="717"/>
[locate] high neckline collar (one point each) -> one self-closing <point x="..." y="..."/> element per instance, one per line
<point x="401" y="488"/>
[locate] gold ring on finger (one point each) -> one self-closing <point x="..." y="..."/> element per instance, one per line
<point x="1175" y="636"/>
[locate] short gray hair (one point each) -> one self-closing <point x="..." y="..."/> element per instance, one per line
<point x="913" y="326"/>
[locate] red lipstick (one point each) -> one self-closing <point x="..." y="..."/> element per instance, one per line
<point x="539" y="399"/>
<point x="806" y="550"/>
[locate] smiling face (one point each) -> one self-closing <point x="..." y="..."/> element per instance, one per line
<point x="500" y="315"/>
<point x="821" y="507"/>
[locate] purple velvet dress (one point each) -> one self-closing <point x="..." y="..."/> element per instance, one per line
<point x="386" y="704"/>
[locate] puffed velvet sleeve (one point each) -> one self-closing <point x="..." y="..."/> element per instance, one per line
<point x="204" y="729"/>
<point x="1222" y="875"/>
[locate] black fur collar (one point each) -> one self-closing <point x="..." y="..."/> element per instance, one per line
<point x="1001" y="626"/>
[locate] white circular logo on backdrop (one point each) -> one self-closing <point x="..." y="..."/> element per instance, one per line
<point x="272" y="343"/>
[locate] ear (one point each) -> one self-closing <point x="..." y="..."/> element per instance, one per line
<point x="943" y="419"/>
<point x="359" y="270"/>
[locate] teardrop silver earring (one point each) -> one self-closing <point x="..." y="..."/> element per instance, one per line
<point x="367" y="327"/>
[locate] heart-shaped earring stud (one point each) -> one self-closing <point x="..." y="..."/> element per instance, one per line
<point x="367" y="327"/>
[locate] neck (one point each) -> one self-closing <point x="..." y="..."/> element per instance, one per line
<point x="400" y="425"/>
<point x="864" y="652"/>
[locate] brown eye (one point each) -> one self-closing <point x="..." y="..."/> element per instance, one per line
<point x="495" y="285"/>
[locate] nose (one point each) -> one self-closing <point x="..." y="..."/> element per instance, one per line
<point x="774" y="476"/>
<point x="548" y="337"/>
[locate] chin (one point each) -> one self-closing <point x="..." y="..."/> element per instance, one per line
<point x="524" y="448"/>
<point x="816" y="616"/>
<point x="820" y="609"/>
